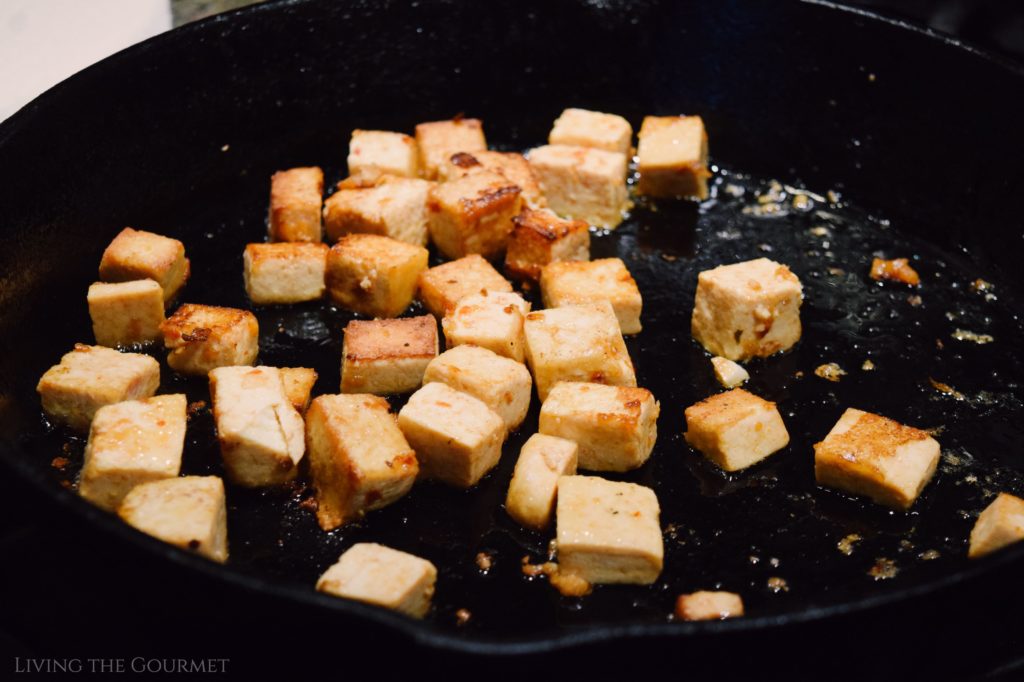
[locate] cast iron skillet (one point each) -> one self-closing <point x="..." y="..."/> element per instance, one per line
<point x="917" y="133"/>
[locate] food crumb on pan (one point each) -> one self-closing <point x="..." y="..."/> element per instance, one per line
<point x="884" y="569"/>
<point x="776" y="584"/>
<point x="846" y="545"/>
<point x="915" y="300"/>
<point x="973" y="337"/>
<point x="484" y="562"/>
<point x="868" y="366"/>
<point x="60" y="462"/>
<point x="462" y="617"/>
<point x="929" y="555"/>
<point x="830" y="371"/>
<point x="946" y="389"/>
<point x="894" y="270"/>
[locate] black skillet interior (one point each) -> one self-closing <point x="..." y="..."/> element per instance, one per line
<point x="916" y="136"/>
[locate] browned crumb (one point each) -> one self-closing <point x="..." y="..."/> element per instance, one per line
<point x="60" y="462"/>
<point x="868" y="366"/>
<point x="776" y="584"/>
<point x="947" y="389"/>
<point x="895" y="270"/>
<point x="66" y="448"/>
<point x="66" y="484"/>
<point x="830" y="371"/>
<point x="836" y="272"/>
<point x="568" y="584"/>
<point x="973" y="337"/>
<point x="915" y="300"/>
<point x="195" y="408"/>
<point x="846" y="544"/>
<point x="669" y="258"/>
<point x="981" y="286"/>
<point x="462" y="617"/>
<point x="799" y="374"/>
<point x="484" y="562"/>
<point x="929" y="555"/>
<point x="884" y="569"/>
<point x="309" y="504"/>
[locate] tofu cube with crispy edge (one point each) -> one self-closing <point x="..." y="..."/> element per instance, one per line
<point x="512" y="165"/>
<point x="615" y="426"/>
<point x="999" y="525"/>
<point x="582" y="183"/>
<point x="577" y="343"/>
<point x="607" y="279"/>
<point x="358" y="457"/>
<point x="728" y="373"/>
<point x="705" y="605"/>
<point x="866" y="454"/>
<point x="473" y="214"/>
<point x="735" y="429"/>
<point x="284" y="272"/>
<point x="457" y="438"/>
<point x="541" y="237"/>
<point x="188" y="512"/>
<point x="673" y="157"/>
<point x="502" y="384"/>
<point x="126" y="312"/>
<point x="441" y="287"/>
<point x="492" y="320"/>
<point x="298" y="385"/>
<point x="608" y="531"/>
<point x="373" y="153"/>
<point x="387" y="357"/>
<point x="747" y="310"/>
<point x="204" y="337"/>
<point x="132" y="442"/>
<point x="393" y="207"/>
<point x="136" y="254"/>
<point x="583" y="128"/>
<point x="90" y="377"/>
<point x="531" y="493"/>
<point x="374" y="275"/>
<point x="379" y="575"/>
<point x="296" y="200"/>
<point x="438" y="140"/>
<point x="261" y="434"/>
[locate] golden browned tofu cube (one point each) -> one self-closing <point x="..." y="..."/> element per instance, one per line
<point x="188" y="512"/>
<point x="373" y="153"/>
<point x="441" y="287"/>
<point x="531" y="493"/>
<point x="583" y="183"/>
<point x="728" y="373"/>
<point x="606" y="279"/>
<point x="735" y="429"/>
<point x="385" y="357"/>
<point x="393" y="207"/>
<point x="866" y="454"/>
<point x="706" y="605"/>
<point x="747" y="310"/>
<point x="457" y="438"/>
<point x="541" y="237"/>
<point x="379" y="575"/>
<point x="673" y="157"/>
<point x="90" y="377"/>
<point x="204" y="337"/>
<point x="615" y="426"/>
<point x="502" y="384"/>
<point x="473" y="214"/>
<point x="608" y="532"/>
<point x="999" y="525"/>
<point x="374" y="275"/>
<point x="284" y="272"/>
<point x="298" y="385"/>
<point x="296" y="200"/>
<point x="513" y="166"/>
<point x="492" y="320"/>
<point x="577" y="343"/>
<point x="132" y="442"/>
<point x="438" y="140"/>
<point x="126" y="313"/>
<point x="583" y="128"/>
<point x="136" y="254"/>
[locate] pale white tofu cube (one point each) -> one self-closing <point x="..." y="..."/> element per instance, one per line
<point x="473" y="214"/>
<point x="374" y="275"/>
<point x="298" y="385"/>
<point x="379" y="575"/>
<point x="438" y="140"/>
<point x="728" y="373"/>
<point x="284" y="272"/>
<point x="735" y="429"/>
<point x="606" y="279"/>
<point x="583" y="183"/>
<point x="441" y="287"/>
<point x="203" y="337"/>
<point x="999" y="525"/>
<point x="707" y="605"/>
<point x="541" y="237"/>
<point x="296" y="200"/>
<point x="188" y="512"/>
<point x="534" y="486"/>
<point x="137" y="254"/>
<point x="513" y="166"/>
<point x="492" y="320"/>
<point x="584" y="128"/>
<point x="393" y="207"/>
<point x="502" y="384"/>
<point x="387" y="357"/>
<point x="672" y="157"/>
<point x="126" y="313"/>
<point x="373" y="153"/>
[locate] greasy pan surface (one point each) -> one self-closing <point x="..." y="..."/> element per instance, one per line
<point x="181" y="134"/>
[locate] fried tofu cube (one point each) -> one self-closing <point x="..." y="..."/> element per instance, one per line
<point x="438" y="140"/>
<point x="90" y="377"/>
<point x="582" y="128"/>
<point x="999" y="525"/>
<point x="606" y="279"/>
<point x="747" y="310"/>
<point x="706" y="605"/>
<point x="374" y="275"/>
<point x="728" y="373"/>
<point x="284" y="272"/>
<point x="490" y="320"/>
<point x="296" y="200"/>
<point x="137" y="254"/>
<point x="615" y="426"/>
<point x="583" y="183"/>
<point x="204" y="337"/>
<point x="189" y="512"/>
<point x="126" y="313"/>
<point x="441" y="287"/>
<point x="132" y="442"/>
<point x="577" y="343"/>
<point x="387" y="357"/>
<point x="473" y="214"/>
<point x="261" y="434"/>
<point x="531" y="493"/>
<point x="735" y="429"/>
<point x="608" y="531"/>
<point x="512" y="165"/>
<point x="379" y="575"/>
<point x="298" y="385"/>
<point x="673" y="157"/>
<point x="866" y="454"/>
<point x="457" y="438"/>
<point x="541" y="237"/>
<point x="502" y="384"/>
<point x="358" y="457"/>
<point x="393" y="207"/>
<point x="373" y="153"/>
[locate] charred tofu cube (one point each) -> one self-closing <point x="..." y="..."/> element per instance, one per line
<point x="373" y="153"/>
<point x="374" y="275"/>
<point x="379" y="575"/>
<point x="531" y="494"/>
<point x="608" y="532"/>
<point x="188" y="512"/>
<point x="577" y="343"/>
<point x="999" y="525"/>
<point x="615" y="426"/>
<point x="735" y="429"/>
<point x="705" y="605"/>
<point x="490" y="320"/>
<point x="261" y="434"/>
<point x="866" y="454"/>
<point x="132" y="442"/>
<point x="90" y="377"/>
<point x="473" y="214"/>
<point x="582" y="128"/>
<point x="673" y="157"/>
<point x="728" y="373"/>
<point x="285" y="272"/>
<point x="747" y="310"/>
<point x="438" y="140"/>
<point x="513" y="166"/>
<point x="441" y="287"/>
<point x="296" y="200"/>
<point x="541" y="237"/>
<point x="607" y="279"/>
<point x="457" y="438"/>
<point x="393" y="207"/>
<point x="136" y="254"/>
<point x="386" y="357"/>
<point x="583" y="183"/>
<point x="359" y="459"/>
<point x="126" y="313"/>
<point x="502" y="384"/>
<point x="298" y="385"/>
<point x="204" y="337"/>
